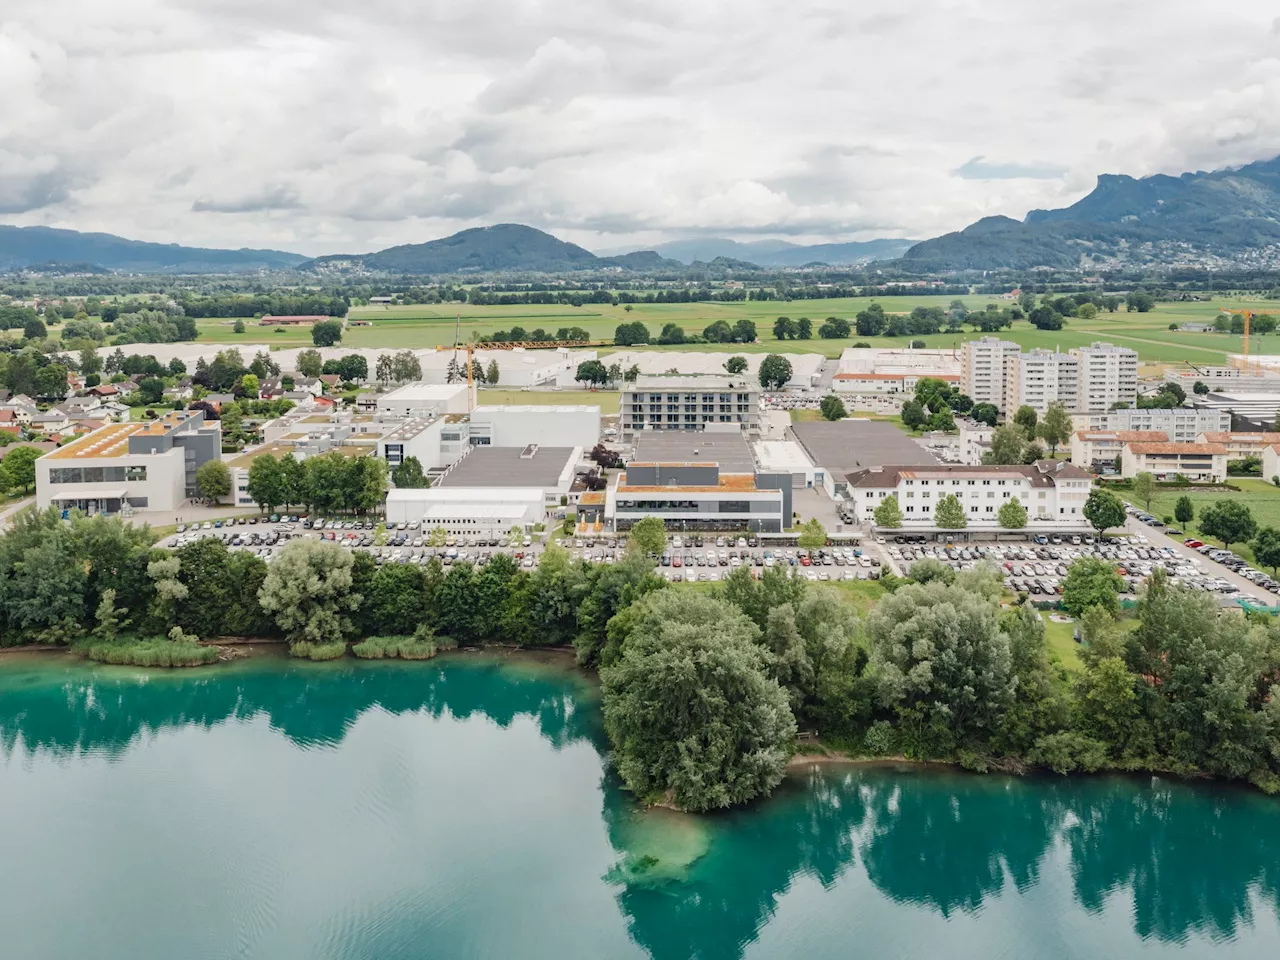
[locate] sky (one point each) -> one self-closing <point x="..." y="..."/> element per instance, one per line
<point x="339" y="127"/>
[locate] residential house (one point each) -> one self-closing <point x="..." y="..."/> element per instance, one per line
<point x="1240" y="445"/>
<point x="1097" y="450"/>
<point x="1204" y="462"/>
<point x="53" y="420"/>
<point x="105" y="390"/>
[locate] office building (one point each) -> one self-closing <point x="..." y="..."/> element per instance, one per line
<point x="127" y="466"/>
<point x="711" y="404"/>
<point x="984" y="369"/>
<point x="1052" y="491"/>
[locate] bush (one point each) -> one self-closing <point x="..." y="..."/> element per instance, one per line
<point x="152" y="652"/>
<point x="1067" y="752"/>
<point x="882" y="739"/>
<point x="318" y="651"/>
<point x="420" y="646"/>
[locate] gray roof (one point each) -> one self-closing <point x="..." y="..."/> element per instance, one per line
<point x="730" y="450"/>
<point x="508" y="467"/>
<point x="1042" y="473"/>
<point x="849" y="445"/>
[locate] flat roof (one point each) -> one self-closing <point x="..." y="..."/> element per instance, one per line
<point x="424" y="391"/>
<point x="537" y="408"/>
<point x="782" y="456"/>
<point x="846" y="446"/>
<point x="672" y="382"/>
<point x="439" y="494"/>
<point x="110" y="441"/>
<point x="729" y="483"/>
<point x="730" y="450"/>
<point x="508" y="467"/>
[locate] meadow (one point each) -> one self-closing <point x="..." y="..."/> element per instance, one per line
<point x="397" y="327"/>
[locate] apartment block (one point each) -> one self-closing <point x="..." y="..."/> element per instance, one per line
<point x="1040" y="377"/>
<point x="1105" y="375"/>
<point x="1194" y="461"/>
<point x="723" y="404"/>
<point x="984" y="369"/>
<point x="1179" y="425"/>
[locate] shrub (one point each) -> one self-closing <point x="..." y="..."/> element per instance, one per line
<point x="152" y="652"/>
<point x="420" y="646"/>
<point x="882" y="739"/>
<point x="1068" y="751"/>
<point x="318" y="651"/>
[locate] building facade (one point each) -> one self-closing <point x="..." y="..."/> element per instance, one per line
<point x="548" y="426"/>
<point x="1105" y="375"/>
<point x="1099" y="450"/>
<point x="697" y="496"/>
<point x="1179" y="425"/>
<point x="691" y="404"/>
<point x="1053" y="493"/>
<point x="122" y="466"/>
<point x="1203" y="462"/>
<point x="984" y="369"/>
<point x="1038" y="378"/>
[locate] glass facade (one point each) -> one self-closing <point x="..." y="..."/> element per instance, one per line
<point x="97" y="474"/>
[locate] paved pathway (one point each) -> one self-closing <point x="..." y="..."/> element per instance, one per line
<point x="1160" y="539"/>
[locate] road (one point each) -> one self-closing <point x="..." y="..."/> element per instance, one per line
<point x="1159" y="538"/>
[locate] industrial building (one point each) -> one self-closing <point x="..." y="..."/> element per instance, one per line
<point x="846" y="446"/>
<point x="550" y="426"/>
<point x="470" y="511"/>
<point x="806" y="368"/>
<point x="1052" y="491"/>
<point x="549" y="469"/>
<point x="421" y="399"/>
<point x="122" y="466"/>
<point x="694" y="404"/>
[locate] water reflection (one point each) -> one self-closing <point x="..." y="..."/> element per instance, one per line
<point x="1185" y="862"/>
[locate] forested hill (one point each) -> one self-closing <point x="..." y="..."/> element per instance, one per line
<point x="504" y="246"/>
<point x="1222" y="212"/>
<point x="27" y="247"/>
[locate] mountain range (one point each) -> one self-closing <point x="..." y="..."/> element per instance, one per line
<point x="26" y="247"/>
<point x="1220" y="213"/>
<point x="781" y="253"/>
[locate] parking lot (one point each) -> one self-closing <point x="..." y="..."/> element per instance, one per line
<point x="686" y="559"/>
<point x="1040" y="569"/>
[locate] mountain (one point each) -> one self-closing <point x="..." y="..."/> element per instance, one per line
<point x="1195" y="217"/>
<point x="48" y="249"/>
<point x="781" y="253"/>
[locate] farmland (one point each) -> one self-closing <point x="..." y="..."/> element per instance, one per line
<point x="425" y="326"/>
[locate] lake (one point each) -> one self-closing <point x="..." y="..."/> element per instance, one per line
<point x="463" y="808"/>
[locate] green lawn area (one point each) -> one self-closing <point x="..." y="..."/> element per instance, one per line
<point x="1062" y="648"/>
<point x="432" y="325"/>
<point x="608" y="400"/>
<point x="1260" y="496"/>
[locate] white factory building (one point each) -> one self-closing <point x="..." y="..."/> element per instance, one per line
<point x="806" y="368"/>
<point x="547" y="426"/>
<point x="469" y="511"/>
<point x="420" y="399"/>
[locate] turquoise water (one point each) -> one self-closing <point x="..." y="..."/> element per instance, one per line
<point x="462" y="808"/>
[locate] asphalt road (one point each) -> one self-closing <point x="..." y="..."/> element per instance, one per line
<point x="1159" y="538"/>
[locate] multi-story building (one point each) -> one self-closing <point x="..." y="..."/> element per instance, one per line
<point x="697" y="496"/>
<point x="143" y="465"/>
<point x="984" y="369"/>
<point x="549" y="426"/>
<point x="724" y="404"/>
<point x="425" y="399"/>
<point x="1240" y="445"/>
<point x="1052" y="491"/>
<point x="1038" y="378"/>
<point x="1105" y="375"/>
<point x="1194" y="461"/>
<point x="1179" y="425"/>
<point x="974" y="440"/>
<point x="1097" y="450"/>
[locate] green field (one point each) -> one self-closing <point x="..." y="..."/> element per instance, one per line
<point x="1063" y="649"/>
<point x="1260" y="496"/>
<point x="607" y="400"/>
<point x="424" y="326"/>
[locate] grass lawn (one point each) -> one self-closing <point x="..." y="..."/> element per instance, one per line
<point x="609" y="401"/>
<point x="432" y="325"/>
<point x="1062" y="647"/>
<point x="1260" y="496"/>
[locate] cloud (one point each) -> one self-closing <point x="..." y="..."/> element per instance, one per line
<point x="980" y="168"/>
<point x="609" y="122"/>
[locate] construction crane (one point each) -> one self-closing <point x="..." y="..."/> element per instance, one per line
<point x="1248" y="316"/>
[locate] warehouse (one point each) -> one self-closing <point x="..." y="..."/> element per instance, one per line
<point x="549" y="469"/>
<point x="421" y="399"/>
<point x="469" y="511"/>
<point x="548" y="426"/>
<point x="846" y="446"/>
<point x="806" y="368"/>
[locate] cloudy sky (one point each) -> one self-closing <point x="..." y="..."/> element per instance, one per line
<point x="341" y="126"/>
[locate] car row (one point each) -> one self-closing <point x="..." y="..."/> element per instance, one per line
<point x="1235" y="564"/>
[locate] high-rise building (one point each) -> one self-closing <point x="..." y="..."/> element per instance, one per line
<point x="1038" y="378"/>
<point x="1107" y="375"/>
<point x="984" y="369"/>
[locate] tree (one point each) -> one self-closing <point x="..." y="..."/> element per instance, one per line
<point x="804" y="329"/>
<point x="214" y="480"/>
<point x="744" y="331"/>
<point x="151" y="390"/>
<point x="353" y="367"/>
<point x="238" y="327"/>
<point x="250" y="384"/>
<point x="913" y="415"/>
<point x="266" y="482"/>
<point x="941" y="663"/>
<point x="309" y="363"/>
<point x="834" y="328"/>
<point x="308" y="592"/>
<point x="1055" y="429"/>
<point x="632" y="373"/>
<point x="784" y="328"/>
<point x="326" y="333"/>
<point x="107" y="616"/>
<point x="1091" y="582"/>
<point x="20" y="467"/>
<point x="986" y="413"/>
<point x="1184" y="511"/>
<point x="1200" y="388"/>
<point x="672" y="333"/>
<point x="689" y="708"/>
<point x="832" y="408"/>
<point x="735" y="365"/>
<point x="1026" y="419"/>
<point x="648" y="536"/>
<point x="629" y="334"/>
<point x="592" y="371"/>
<point x="1266" y="548"/>
<point x="1008" y="446"/>
<point x="871" y="322"/>
<point x="1013" y="515"/>
<point x="718" y="331"/>
<point x="1046" y="318"/>
<point x="949" y="514"/>
<point x="1144" y="488"/>
<point x="382" y="368"/>
<point x="1228" y="520"/>
<point x="492" y="373"/>
<point x="90" y="362"/>
<point x="1104" y="510"/>
<point x="888" y="514"/>
<point x="1140" y="301"/>
<point x="775" y="372"/>
<point x="409" y="475"/>
<point x="812" y="535"/>
<point x="34" y="329"/>
<point x="405" y="367"/>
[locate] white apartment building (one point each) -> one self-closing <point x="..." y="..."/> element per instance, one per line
<point x="974" y="440"/>
<point x="727" y="404"/>
<point x="1179" y="425"/>
<point x="1038" y="378"/>
<point x="1240" y="445"/>
<point x="1106" y="375"/>
<point x="1097" y="450"/>
<point x="984" y="369"/>
<point x="1195" y="461"/>
<point x="1052" y="491"/>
